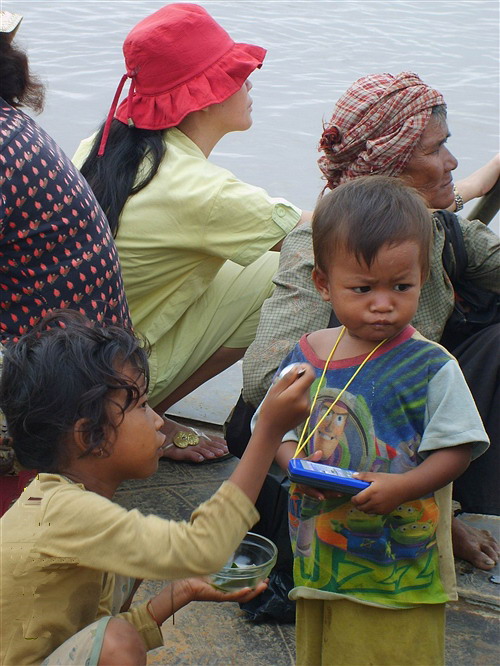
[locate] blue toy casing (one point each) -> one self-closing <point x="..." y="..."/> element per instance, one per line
<point x="324" y="476"/>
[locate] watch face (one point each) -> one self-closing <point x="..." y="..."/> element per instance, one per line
<point x="184" y="439"/>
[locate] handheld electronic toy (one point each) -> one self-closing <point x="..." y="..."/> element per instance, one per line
<point x="324" y="476"/>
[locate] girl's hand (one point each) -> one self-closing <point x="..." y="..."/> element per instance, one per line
<point x="179" y="593"/>
<point x="202" y="590"/>
<point x="385" y="493"/>
<point x="287" y="402"/>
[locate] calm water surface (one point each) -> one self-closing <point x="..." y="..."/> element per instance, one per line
<point x="316" y="49"/>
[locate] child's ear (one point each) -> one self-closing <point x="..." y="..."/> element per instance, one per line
<point x="321" y="283"/>
<point x="79" y="435"/>
<point x="80" y="439"/>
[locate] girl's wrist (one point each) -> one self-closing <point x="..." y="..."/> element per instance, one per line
<point x="267" y="430"/>
<point x="174" y="596"/>
<point x="152" y="613"/>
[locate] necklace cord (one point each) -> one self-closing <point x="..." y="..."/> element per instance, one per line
<point x="303" y="441"/>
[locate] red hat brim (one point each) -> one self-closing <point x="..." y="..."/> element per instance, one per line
<point x="214" y="85"/>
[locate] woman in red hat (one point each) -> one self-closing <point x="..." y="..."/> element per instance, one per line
<point x="194" y="241"/>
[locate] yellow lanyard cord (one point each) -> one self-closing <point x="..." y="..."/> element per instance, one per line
<point x="302" y="443"/>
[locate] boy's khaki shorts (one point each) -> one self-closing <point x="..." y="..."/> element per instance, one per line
<point x="346" y="633"/>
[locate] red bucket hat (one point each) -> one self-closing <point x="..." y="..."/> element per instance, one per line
<point x="179" y="60"/>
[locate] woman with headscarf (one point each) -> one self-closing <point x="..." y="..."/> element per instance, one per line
<point x="396" y="126"/>
<point x="193" y="240"/>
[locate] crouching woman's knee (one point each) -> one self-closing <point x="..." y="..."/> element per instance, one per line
<point x="122" y="645"/>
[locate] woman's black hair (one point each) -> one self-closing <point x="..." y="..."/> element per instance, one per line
<point x="65" y="370"/>
<point x="18" y="87"/>
<point x="114" y="177"/>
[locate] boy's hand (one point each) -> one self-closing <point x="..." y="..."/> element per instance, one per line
<point x="385" y="493"/>
<point x="388" y="491"/>
<point x="287" y="403"/>
<point x="317" y="493"/>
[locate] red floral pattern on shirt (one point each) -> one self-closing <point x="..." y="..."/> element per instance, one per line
<point x="56" y="248"/>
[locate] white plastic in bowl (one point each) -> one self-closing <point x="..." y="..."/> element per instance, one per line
<point x="250" y="564"/>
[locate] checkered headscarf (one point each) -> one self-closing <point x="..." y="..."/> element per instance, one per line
<point x="375" y="126"/>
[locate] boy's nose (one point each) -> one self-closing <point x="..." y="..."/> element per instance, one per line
<point x="381" y="303"/>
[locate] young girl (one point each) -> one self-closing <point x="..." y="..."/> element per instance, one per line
<point x="373" y="571"/>
<point x="75" y="399"/>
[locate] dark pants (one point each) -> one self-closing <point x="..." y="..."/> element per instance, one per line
<point x="477" y="489"/>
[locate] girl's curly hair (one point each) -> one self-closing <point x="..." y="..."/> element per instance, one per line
<point x="66" y="370"/>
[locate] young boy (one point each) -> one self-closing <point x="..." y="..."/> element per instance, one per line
<point x="373" y="571"/>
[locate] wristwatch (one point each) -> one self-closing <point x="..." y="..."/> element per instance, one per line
<point x="183" y="439"/>
<point x="459" y="202"/>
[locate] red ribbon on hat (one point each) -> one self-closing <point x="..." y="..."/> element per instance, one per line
<point x="114" y="104"/>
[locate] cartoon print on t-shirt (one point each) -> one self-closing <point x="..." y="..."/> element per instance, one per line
<point x="371" y="548"/>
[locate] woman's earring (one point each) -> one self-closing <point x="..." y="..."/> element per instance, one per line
<point x="100" y="452"/>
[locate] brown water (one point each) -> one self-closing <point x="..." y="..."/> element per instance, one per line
<point x="316" y="49"/>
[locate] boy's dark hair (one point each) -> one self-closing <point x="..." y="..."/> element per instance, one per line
<point x="367" y="213"/>
<point x="64" y="370"/>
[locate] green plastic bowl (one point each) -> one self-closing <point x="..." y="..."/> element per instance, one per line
<point x="250" y="564"/>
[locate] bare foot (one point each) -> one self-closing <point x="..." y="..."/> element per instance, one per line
<point x="475" y="546"/>
<point x="210" y="447"/>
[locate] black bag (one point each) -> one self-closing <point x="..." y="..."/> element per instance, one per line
<point x="272" y="504"/>
<point x="475" y="307"/>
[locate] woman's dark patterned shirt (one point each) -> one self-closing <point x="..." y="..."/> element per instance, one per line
<point x="56" y="248"/>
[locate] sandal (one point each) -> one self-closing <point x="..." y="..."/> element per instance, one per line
<point x="184" y="442"/>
